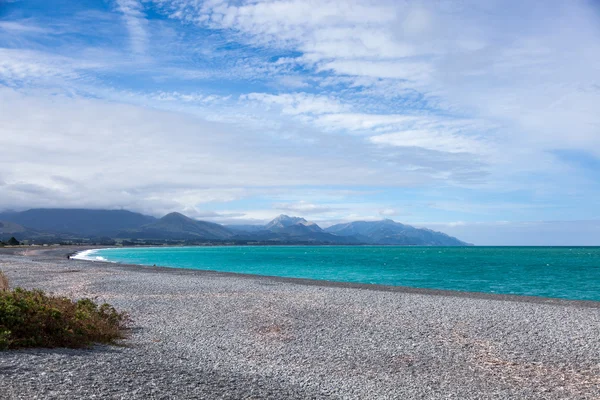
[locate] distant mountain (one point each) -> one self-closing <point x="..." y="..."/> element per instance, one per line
<point x="81" y="222"/>
<point x="283" y="223"/>
<point x="293" y="229"/>
<point x="388" y="232"/>
<point x="52" y="225"/>
<point x="292" y="225"/>
<point x="245" y="228"/>
<point x="177" y="226"/>
<point x="10" y="229"/>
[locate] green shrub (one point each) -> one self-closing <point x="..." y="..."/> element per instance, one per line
<point x="31" y="318"/>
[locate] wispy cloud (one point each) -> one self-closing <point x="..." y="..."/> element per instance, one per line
<point x="26" y="65"/>
<point x="136" y="24"/>
<point x="298" y="103"/>
<point x="432" y="140"/>
<point x="304" y="208"/>
<point x="23" y="26"/>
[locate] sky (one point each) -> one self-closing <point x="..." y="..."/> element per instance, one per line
<point x="477" y="118"/>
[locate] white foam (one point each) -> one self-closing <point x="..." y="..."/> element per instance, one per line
<point x="84" y="255"/>
<point x="89" y="256"/>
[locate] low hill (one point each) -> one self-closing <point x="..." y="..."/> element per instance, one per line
<point x="388" y="232"/>
<point x="178" y="226"/>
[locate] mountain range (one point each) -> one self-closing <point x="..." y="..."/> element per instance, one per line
<point x="69" y="224"/>
<point x="81" y="222"/>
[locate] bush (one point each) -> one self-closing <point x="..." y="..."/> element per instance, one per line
<point x="13" y="242"/>
<point x="31" y="318"/>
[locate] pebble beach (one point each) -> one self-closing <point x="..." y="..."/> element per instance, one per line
<point x="208" y="335"/>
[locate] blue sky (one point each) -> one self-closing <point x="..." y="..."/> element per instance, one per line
<point x="480" y="119"/>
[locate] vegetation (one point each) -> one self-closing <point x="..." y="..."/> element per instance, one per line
<point x="13" y="242"/>
<point x="31" y="318"/>
<point x="3" y="282"/>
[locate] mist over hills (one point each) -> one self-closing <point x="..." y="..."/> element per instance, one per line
<point x="61" y="224"/>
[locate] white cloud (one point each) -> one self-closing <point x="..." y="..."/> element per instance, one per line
<point x="282" y="20"/>
<point x="353" y="42"/>
<point x="388" y="212"/>
<point x="33" y="68"/>
<point x="438" y="141"/>
<point x="26" y="65"/>
<point x="528" y="77"/>
<point x="23" y="26"/>
<point x="298" y="103"/>
<point x="136" y="24"/>
<point x="357" y="121"/>
<point x="293" y="82"/>
<point x="193" y="97"/>
<point x="113" y="154"/>
<point x="304" y="208"/>
<point x="417" y="73"/>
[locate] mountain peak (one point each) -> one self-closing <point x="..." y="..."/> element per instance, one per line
<point x="174" y="216"/>
<point x="283" y="217"/>
<point x="177" y="225"/>
<point x="283" y="221"/>
<point x="388" y="221"/>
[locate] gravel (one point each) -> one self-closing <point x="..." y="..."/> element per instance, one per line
<point x="210" y="335"/>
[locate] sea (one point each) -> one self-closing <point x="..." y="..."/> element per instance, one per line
<point x="556" y="272"/>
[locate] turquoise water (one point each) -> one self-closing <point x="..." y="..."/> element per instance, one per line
<point x="561" y="272"/>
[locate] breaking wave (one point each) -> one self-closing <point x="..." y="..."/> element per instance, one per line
<point x="88" y="255"/>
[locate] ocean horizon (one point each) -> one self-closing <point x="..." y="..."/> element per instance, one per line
<point x="556" y="272"/>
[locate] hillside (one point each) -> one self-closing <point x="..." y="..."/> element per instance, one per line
<point x="178" y="226"/>
<point x="10" y="229"/>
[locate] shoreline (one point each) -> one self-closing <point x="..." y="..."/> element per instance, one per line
<point x="202" y="334"/>
<point x="353" y="285"/>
